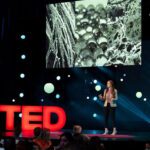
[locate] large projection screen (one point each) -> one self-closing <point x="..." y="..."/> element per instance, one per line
<point x="92" y="33"/>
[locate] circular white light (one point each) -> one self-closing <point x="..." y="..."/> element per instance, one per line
<point x="23" y="56"/>
<point x="121" y="80"/>
<point x="13" y="100"/>
<point x="95" y="81"/>
<point x="97" y="87"/>
<point x="138" y="94"/>
<point x="116" y="66"/>
<point x="49" y="88"/>
<point x="58" y="78"/>
<point x="22" y="75"/>
<point x="87" y="97"/>
<point x="21" y="95"/>
<point x="69" y="76"/>
<point x="22" y="36"/>
<point x="145" y="99"/>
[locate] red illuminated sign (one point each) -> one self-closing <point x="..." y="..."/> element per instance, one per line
<point x="27" y="117"/>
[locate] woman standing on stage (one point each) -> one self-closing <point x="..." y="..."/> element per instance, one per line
<point x="110" y="96"/>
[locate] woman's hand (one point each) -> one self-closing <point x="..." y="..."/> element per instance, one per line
<point x="101" y="97"/>
<point x="111" y="100"/>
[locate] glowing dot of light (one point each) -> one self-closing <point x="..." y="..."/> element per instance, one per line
<point x="121" y="80"/>
<point x="94" y="115"/>
<point x="49" y="88"/>
<point x="95" y="81"/>
<point x="58" y="78"/>
<point x="95" y="98"/>
<point x="97" y="87"/>
<point x="21" y="95"/>
<point x="22" y="75"/>
<point x="57" y="96"/>
<point x="124" y="75"/>
<point x="42" y="100"/>
<point x="138" y="94"/>
<point x="23" y="37"/>
<point x="23" y="56"/>
<point x="87" y="97"/>
<point x="20" y="115"/>
<point x="13" y="100"/>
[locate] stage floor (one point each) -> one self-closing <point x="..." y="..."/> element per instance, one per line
<point x="123" y="136"/>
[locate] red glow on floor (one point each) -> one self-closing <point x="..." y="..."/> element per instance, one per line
<point x="56" y="135"/>
<point x="110" y="136"/>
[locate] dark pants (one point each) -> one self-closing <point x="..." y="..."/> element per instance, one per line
<point x="110" y="110"/>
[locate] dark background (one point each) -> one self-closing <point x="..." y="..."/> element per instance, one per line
<point x="28" y="17"/>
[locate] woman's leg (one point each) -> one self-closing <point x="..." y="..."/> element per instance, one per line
<point x="112" y="112"/>
<point x="106" y="113"/>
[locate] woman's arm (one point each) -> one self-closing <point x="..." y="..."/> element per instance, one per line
<point x="102" y="97"/>
<point x="116" y="95"/>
